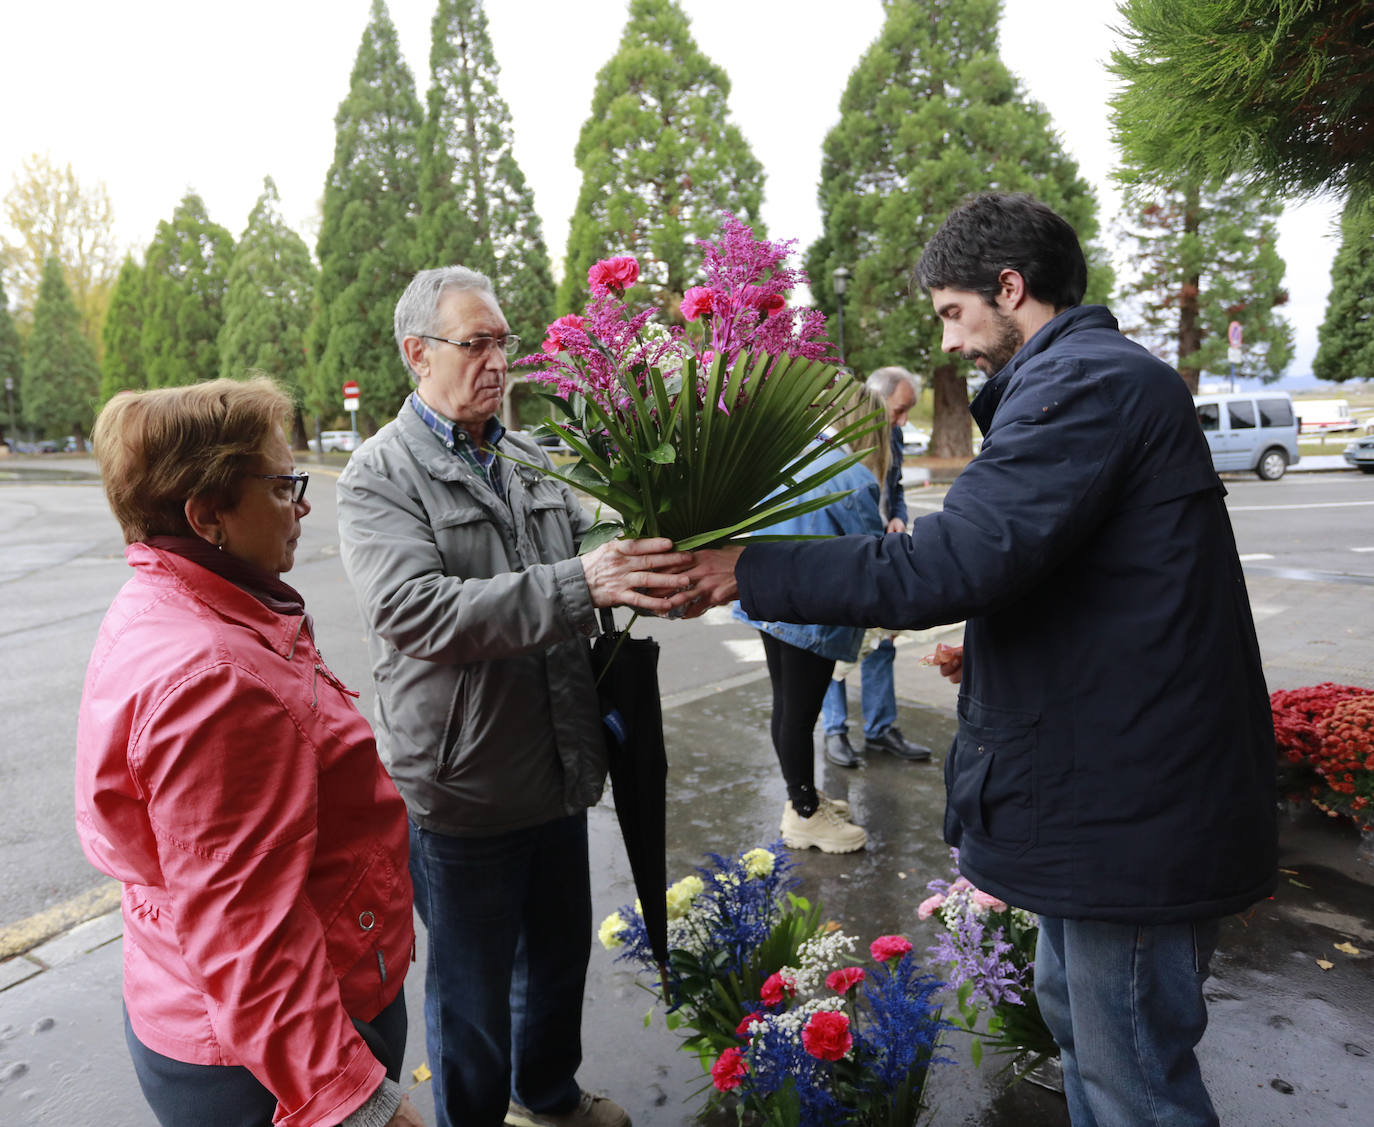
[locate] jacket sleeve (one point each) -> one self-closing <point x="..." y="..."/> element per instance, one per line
<point x="233" y="811"/>
<point x="1045" y="477"/>
<point x="392" y="558"/>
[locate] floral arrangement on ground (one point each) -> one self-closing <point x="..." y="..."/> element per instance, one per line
<point x="1325" y="739"/>
<point x="989" y="948"/>
<point x="787" y="1019"/>
<point x="708" y="430"/>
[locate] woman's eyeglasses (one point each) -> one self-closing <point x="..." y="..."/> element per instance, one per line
<point x="298" y="483"/>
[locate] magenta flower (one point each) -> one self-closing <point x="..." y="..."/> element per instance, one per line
<point x="696" y="302"/>
<point x="889" y="947"/>
<point x="826" y="1036"/>
<point x="729" y="1070"/>
<point x="844" y="980"/>
<point x="553" y="337"/>
<point x="778" y="986"/>
<point x="613" y="275"/>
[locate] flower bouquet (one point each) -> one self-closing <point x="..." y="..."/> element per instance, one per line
<point x="778" y="1017"/>
<point x="1325" y="739"/>
<point x="702" y="432"/>
<point x="990" y="949"/>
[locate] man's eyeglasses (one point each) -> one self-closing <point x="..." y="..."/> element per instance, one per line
<point x="298" y="483"/>
<point x="509" y="344"/>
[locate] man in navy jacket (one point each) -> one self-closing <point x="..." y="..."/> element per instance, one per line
<point x="1114" y="764"/>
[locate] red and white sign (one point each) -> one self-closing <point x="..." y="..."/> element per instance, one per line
<point x="350" y="393"/>
<point x="1234" y="333"/>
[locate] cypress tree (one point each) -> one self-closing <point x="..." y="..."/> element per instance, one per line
<point x="1204" y="256"/>
<point x="268" y="302"/>
<point x="1345" y="341"/>
<point x="61" y="378"/>
<point x="122" y="334"/>
<point x="367" y="238"/>
<point x="11" y="366"/>
<point x="930" y="115"/>
<point x="475" y="206"/>
<point x="185" y="277"/>
<point x="659" y="160"/>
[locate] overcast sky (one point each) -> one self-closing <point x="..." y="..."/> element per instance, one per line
<point x="157" y="96"/>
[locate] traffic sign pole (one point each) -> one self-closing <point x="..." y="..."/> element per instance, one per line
<point x="350" y="394"/>
<point x="1234" y="336"/>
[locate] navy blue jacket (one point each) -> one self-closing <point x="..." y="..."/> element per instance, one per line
<point x="1115" y="752"/>
<point x="894" y="496"/>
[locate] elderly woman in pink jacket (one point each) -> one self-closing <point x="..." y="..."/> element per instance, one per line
<point x="225" y="777"/>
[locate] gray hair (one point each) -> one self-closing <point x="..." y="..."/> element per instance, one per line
<point x="883" y="382"/>
<point x="417" y="313"/>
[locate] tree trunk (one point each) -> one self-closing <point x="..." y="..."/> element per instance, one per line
<point x="1189" y="322"/>
<point x="952" y="431"/>
<point x="299" y="440"/>
<point x="80" y="438"/>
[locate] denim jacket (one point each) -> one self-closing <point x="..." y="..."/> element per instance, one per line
<point x="856" y="514"/>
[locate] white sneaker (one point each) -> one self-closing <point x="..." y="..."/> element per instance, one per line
<point x="840" y="805"/>
<point x="825" y="830"/>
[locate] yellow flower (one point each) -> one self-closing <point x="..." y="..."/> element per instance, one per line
<point x="681" y="895"/>
<point x="609" y="931"/>
<point x="758" y="863"/>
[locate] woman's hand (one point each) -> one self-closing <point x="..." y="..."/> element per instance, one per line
<point x="407" y="1115"/>
<point x="712" y="579"/>
<point x="618" y="570"/>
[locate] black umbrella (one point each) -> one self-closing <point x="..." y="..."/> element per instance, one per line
<point x="626" y="672"/>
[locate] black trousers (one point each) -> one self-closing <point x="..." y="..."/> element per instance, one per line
<point x="799" y="679"/>
<point x="221" y="1095"/>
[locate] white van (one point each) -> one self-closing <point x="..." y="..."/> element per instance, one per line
<point x="331" y="440"/>
<point x="1324" y="416"/>
<point x="1250" y="430"/>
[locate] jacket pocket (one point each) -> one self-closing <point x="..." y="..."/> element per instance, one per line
<point x="992" y="786"/>
<point x="449" y="749"/>
<point x="356" y="923"/>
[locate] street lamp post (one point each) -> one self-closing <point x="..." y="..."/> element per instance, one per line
<point x="841" y="277"/>
<point x="9" y="403"/>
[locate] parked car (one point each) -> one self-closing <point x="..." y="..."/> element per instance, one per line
<point x="48" y="446"/>
<point x="914" y="440"/>
<point x="1250" y="430"/>
<point x="331" y="440"/>
<point x="1360" y="454"/>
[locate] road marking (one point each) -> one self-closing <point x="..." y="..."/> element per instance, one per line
<point x="1276" y="508"/>
<point x="27" y="934"/>
<point x="745" y="649"/>
<point x="1255" y="556"/>
<point x="1362" y="549"/>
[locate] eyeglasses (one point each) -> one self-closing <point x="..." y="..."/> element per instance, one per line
<point x="509" y="344"/>
<point x="298" y="483"/>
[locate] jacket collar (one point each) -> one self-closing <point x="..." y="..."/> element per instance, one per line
<point x="1076" y="319"/>
<point x="279" y="631"/>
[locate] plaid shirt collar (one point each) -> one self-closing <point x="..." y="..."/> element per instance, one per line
<point x="456" y="439"/>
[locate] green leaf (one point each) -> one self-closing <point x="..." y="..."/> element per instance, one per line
<point x="975" y="1052"/>
<point x="662" y="455"/>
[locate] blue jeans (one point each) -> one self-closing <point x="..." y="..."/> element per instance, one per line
<point x="1125" y="1004"/>
<point x="877" y="694"/>
<point x="509" y="923"/>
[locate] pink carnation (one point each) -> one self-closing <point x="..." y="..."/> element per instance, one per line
<point x="778" y="986"/>
<point x="961" y="884"/>
<point x="844" y="980"/>
<point x="826" y="1036"/>
<point x="696" y="302"/>
<point x="742" y="1029"/>
<point x="765" y="301"/>
<point x="987" y="902"/>
<point x="553" y="337"/>
<point x="927" y="907"/>
<point x="729" y="1070"/>
<point x="609" y="274"/>
<point x="889" y="947"/>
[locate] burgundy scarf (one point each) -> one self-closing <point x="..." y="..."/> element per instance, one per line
<point x="265" y="586"/>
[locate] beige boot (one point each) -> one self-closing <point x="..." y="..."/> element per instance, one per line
<point x="825" y="830"/>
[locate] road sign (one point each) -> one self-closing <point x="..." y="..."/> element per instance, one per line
<point x="350" y="393"/>
<point x="1233" y="334"/>
<point x="1233" y="355"/>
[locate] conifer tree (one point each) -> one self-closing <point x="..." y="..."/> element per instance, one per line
<point x="11" y="367"/>
<point x="1202" y="257"/>
<point x="186" y="271"/>
<point x="367" y="237"/>
<point x="930" y="115"/>
<point x="475" y="206"/>
<point x="122" y="366"/>
<point x="659" y="160"/>
<point x="1345" y="341"/>
<point x="269" y="302"/>
<point x="61" y="378"/>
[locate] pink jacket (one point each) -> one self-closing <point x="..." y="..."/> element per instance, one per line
<point x="226" y="778"/>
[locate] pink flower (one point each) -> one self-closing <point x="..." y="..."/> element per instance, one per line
<point x="844" y="980"/>
<point x="553" y="339"/>
<point x="987" y="902"/>
<point x="826" y="1036"/>
<point x="729" y="1070"/>
<point x="889" y="947"/>
<point x="927" y="907"/>
<point x="609" y="274"/>
<point x="742" y="1029"/>
<point x="696" y="302"/>
<point x="765" y="301"/>
<point x="778" y="986"/>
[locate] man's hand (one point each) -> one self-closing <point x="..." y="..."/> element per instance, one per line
<point x="617" y="568"/>
<point x="712" y="579"/>
<point x="951" y="662"/>
<point x="896" y="524"/>
<point x="407" y="1115"/>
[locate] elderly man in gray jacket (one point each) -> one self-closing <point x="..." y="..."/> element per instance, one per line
<point x="478" y="610"/>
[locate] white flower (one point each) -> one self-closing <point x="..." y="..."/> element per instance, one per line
<point x="758" y="863"/>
